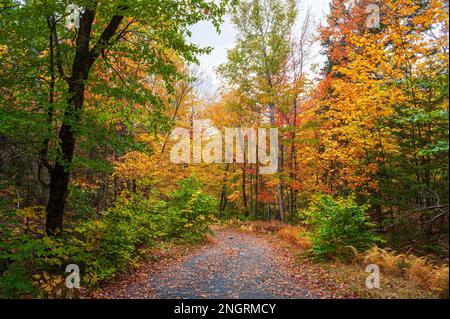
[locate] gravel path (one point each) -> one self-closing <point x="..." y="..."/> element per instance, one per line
<point x="237" y="265"/>
<point x="233" y="264"/>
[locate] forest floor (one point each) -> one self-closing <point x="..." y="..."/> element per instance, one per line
<point x="231" y="264"/>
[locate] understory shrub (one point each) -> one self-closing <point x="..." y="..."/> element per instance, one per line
<point x="339" y="225"/>
<point x="33" y="264"/>
<point x="191" y="210"/>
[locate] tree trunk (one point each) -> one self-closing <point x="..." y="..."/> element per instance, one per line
<point x="279" y="167"/>
<point x="293" y="167"/>
<point x="59" y="177"/>
<point x="280" y="202"/>
<point x="280" y="186"/>
<point x="223" y="195"/>
<point x="83" y="61"/>
<point x="244" y="186"/>
<point x="256" y="179"/>
<point x="251" y="194"/>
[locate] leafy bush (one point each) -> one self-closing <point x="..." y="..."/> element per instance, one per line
<point x="107" y="245"/>
<point x="26" y="262"/>
<point x="338" y="224"/>
<point x="110" y="243"/>
<point x="191" y="210"/>
<point x="32" y="263"/>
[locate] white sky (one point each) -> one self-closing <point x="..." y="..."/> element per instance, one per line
<point x="204" y="34"/>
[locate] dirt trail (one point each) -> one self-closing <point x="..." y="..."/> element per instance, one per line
<point x="238" y="265"/>
<point x="235" y="265"/>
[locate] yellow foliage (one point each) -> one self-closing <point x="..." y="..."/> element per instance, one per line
<point x="50" y="284"/>
<point x="133" y="165"/>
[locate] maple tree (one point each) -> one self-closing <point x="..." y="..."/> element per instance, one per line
<point x="372" y="105"/>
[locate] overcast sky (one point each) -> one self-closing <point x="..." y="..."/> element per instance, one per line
<point x="204" y="34"/>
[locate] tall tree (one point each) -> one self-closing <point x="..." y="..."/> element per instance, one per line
<point x="145" y="31"/>
<point x="256" y="63"/>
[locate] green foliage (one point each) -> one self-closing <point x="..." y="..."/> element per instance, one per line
<point x="339" y="224"/>
<point x="23" y="256"/>
<point x="16" y="281"/>
<point x="191" y="209"/>
<point x="101" y="247"/>
<point x="259" y="53"/>
<point x="107" y="245"/>
<point x="79" y="201"/>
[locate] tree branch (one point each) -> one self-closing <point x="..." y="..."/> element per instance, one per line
<point x="103" y="41"/>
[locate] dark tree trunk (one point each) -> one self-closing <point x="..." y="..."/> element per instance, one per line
<point x="280" y="185"/>
<point x="251" y="194"/>
<point x="256" y="180"/>
<point x="293" y="168"/>
<point x="59" y="177"/>
<point x="84" y="58"/>
<point x="244" y="186"/>
<point x="223" y="195"/>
